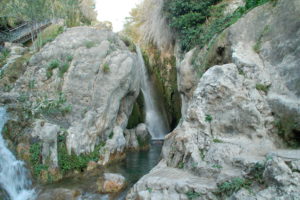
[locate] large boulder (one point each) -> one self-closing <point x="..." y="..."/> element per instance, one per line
<point x="111" y="183"/>
<point x="89" y="79"/>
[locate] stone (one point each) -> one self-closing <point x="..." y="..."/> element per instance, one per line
<point x="111" y="183"/>
<point x="91" y="166"/>
<point x="23" y="151"/>
<point x="114" y="147"/>
<point x="137" y="138"/>
<point x="100" y="87"/>
<point x="47" y="133"/>
<point x="59" y="194"/>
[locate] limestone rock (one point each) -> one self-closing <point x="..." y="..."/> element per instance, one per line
<point x="47" y="133"/>
<point x="111" y="183"/>
<point x="229" y="114"/>
<point x="137" y="138"/>
<point x="186" y="80"/>
<point x="97" y="76"/>
<point x="59" y="194"/>
<point x="91" y="166"/>
<point x="114" y="147"/>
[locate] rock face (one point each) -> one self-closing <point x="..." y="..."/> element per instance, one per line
<point x="137" y="138"/>
<point x="227" y="140"/>
<point x="47" y="133"/>
<point x="98" y="77"/>
<point x="111" y="183"/>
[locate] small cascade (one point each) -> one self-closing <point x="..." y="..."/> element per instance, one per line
<point x="156" y="122"/>
<point x="13" y="174"/>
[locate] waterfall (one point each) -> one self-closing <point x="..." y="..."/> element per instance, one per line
<point x="156" y="122"/>
<point x="13" y="174"/>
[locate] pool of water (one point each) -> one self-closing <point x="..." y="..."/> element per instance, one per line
<point x="132" y="168"/>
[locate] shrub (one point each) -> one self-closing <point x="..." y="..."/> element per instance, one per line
<point x="262" y="87"/>
<point x="227" y="188"/>
<point x="63" y="69"/>
<point x="208" y="118"/>
<point x="3" y="56"/>
<point x="89" y="44"/>
<point x="48" y="35"/>
<point x="216" y="140"/>
<point x="196" y="22"/>
<point x="35" y="158"/>
<point x="68" y="162"/>
<point x="193" y="195"/>
<point x="129" y="43"/>
<point x="105" y="68"/>
<point x="51" y="66"/>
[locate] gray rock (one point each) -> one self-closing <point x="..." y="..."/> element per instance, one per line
<point x="228" y="122"/>
<point x="47" y="133"/>
<point x="101" y="84"/>
<point x="111" y="183"/>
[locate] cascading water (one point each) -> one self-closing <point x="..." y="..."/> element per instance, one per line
<point x="13" y="174"/>
<point x="156" y="122"/>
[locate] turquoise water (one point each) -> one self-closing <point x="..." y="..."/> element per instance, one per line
<point x="132" y="168"/>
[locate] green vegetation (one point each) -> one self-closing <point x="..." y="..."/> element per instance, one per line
<point x="288" y="129"/>
<point x="3" y="56"/>
<point x="68" y="162"/>
<point x="216" y="140"/>
<point x="74" y="12"/>
<point x="217" y="166"/>
<point x="196" y="22"/>
<point x="193" y="195"/>
<point x="10" y="74"/>
<point x="111" y="135"/>
<point x="48" y="35"/>
<point x="227" y="188"/>
<point x="31" y="84"/>
<point x="257" y="45"/>
<point x="46" y="106"/>
<point x="254" y="175"/>
<point x="51" y="66"/>
<point x="35" y="159"/>
<point x="129" y="43"/>
<point x="180" y="165"/>
<point x="137" y="115"/>
<point x="89" y="44"/>
<point x="264" y="88"/>
<point x="105" y="68"/>
<point x="208" y="118"/>
<point x="63" y="69"/>
<point x="69" y="58"/>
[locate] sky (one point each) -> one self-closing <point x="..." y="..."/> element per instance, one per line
<point x="115" y="11"/>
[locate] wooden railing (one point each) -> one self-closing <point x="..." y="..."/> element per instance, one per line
<point x="23" y="32"/>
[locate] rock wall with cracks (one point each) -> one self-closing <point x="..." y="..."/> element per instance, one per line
<point x="100" y="83"/>
<point x="227" y="145"/>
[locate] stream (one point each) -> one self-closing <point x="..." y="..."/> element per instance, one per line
<point x="132" y="168"/>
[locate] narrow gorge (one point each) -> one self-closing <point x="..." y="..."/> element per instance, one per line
<point x="193" y="99"/>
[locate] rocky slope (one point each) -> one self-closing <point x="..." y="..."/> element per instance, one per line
<point x="226" y="145"/>
<point x="74" y="100"/>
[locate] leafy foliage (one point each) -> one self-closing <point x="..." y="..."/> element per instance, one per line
<point x="35" y="158"/>
<point x="262" y="87"/>
<point x="68" y="162"/>
<point x="196" y="22"/>
<point x="48" y="35"/>
<point x="229" y="187"/>
<point x="193" y="195"/>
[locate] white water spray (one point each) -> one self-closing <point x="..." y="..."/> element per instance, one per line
<point x="156" y="122"/>
<point x="13" y="174"/>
